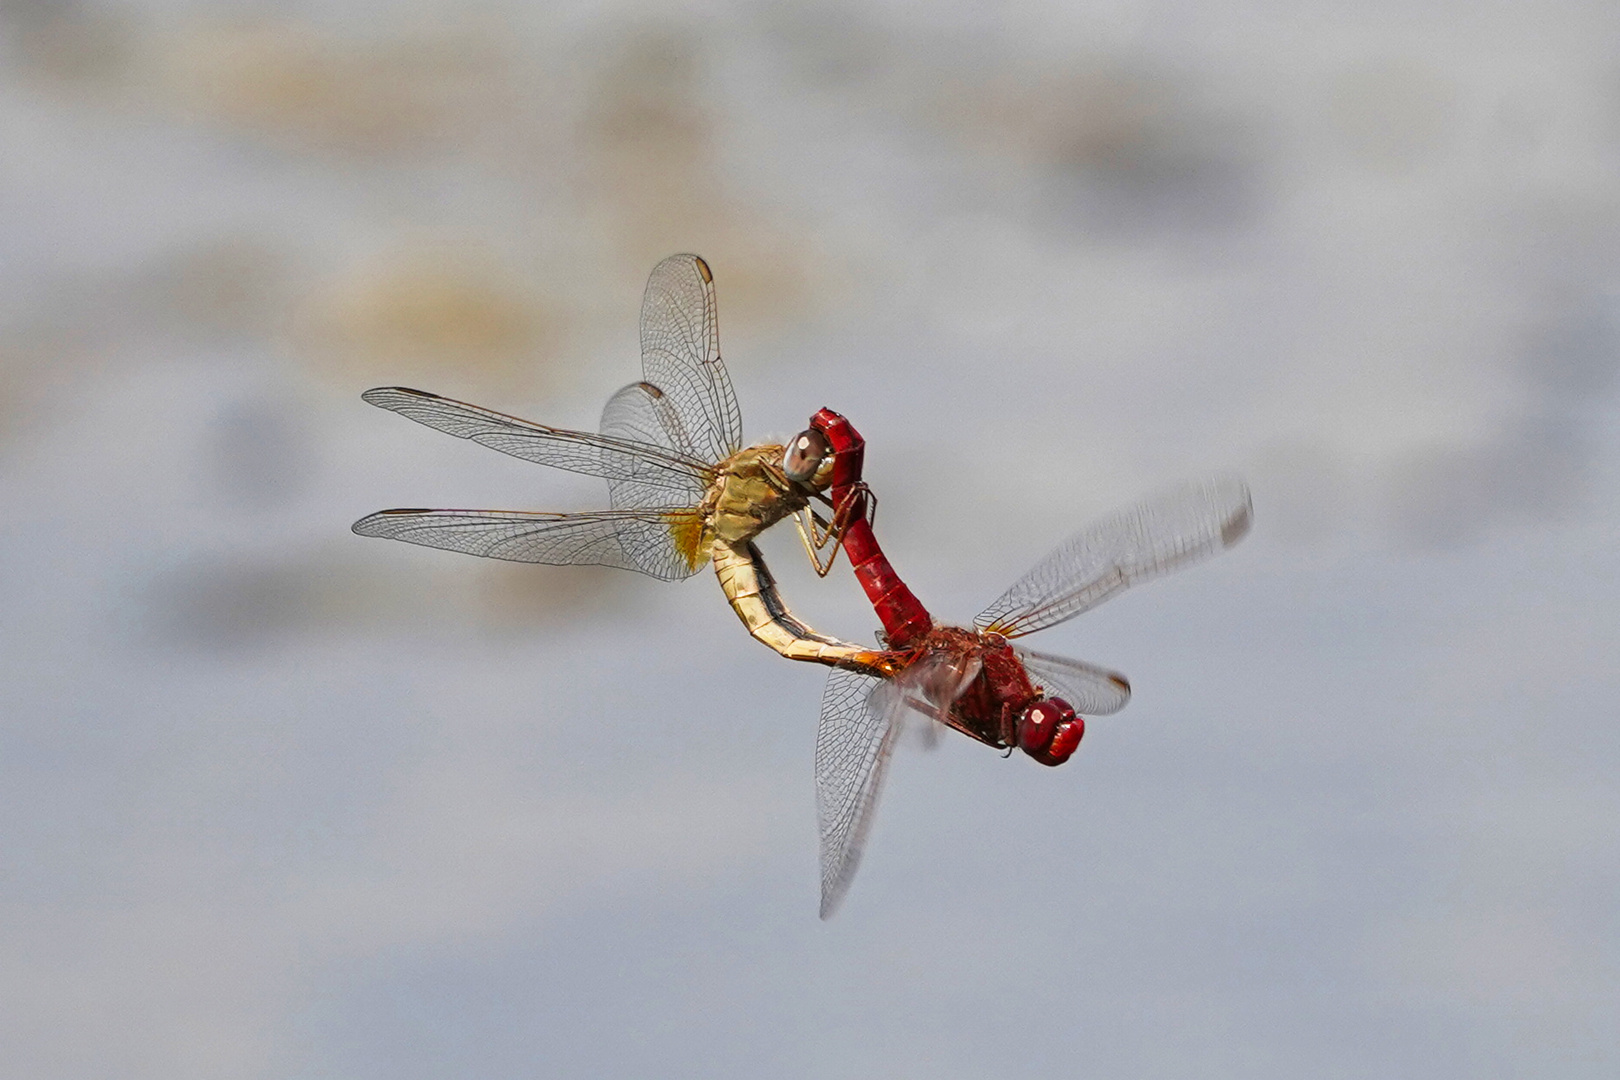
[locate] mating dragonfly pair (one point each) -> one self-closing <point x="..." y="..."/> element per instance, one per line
<point x="685" y="492"/>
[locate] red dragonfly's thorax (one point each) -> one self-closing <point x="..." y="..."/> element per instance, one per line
<point x="989" y="707"/>
<point x="1005" y="688"/>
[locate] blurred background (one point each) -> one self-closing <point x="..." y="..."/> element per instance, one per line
<point x="276" y="801"/>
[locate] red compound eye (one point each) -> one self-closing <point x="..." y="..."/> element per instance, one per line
<point x="1049" y="731"/>
<point x="1039" y="723"/>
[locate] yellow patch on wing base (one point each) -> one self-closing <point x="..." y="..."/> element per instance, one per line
<point x="686" y="529"/>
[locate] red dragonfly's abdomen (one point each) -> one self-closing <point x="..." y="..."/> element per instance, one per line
<point x="905" y="620"/>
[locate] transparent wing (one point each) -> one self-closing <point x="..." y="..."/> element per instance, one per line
<point x="680" y="354"/>
<point x="931" y="686"/>
<point x="853" y="743"/>
<point x="649" y="541"/>
<point x="861" y="717"/>
<point x="642" y="413"/>
<point x="1150" y="539"/>
<point x="1093" y="691"/>
<point x="680" y="478"/>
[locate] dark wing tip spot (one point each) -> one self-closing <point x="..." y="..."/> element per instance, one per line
<point x="368" y="522"/>
<point x="1119" y="681"/>
<point x="1237" y="526"/>
<point x="652" y="391"/>
<point x="372" y="521"/>
<point x="703" y="269"/>
<point x="379" y="394"/>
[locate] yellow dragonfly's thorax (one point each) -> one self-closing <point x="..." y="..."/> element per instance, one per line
<point x="749" y="495"/>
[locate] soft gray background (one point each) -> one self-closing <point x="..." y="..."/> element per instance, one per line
<point x="276" y="801"/>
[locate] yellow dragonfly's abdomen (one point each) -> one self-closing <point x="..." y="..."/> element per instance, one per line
<point x="752" y="592"/>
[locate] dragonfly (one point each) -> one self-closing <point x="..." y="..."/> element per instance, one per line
<point x="683" y="489"/>
<point x="975" y="680"/>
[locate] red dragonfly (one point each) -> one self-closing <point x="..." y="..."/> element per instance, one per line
<point x="975" y="680"/>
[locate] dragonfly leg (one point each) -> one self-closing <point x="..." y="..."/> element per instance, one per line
<point x="813" y="540"/>
<point x="816" y="534"/>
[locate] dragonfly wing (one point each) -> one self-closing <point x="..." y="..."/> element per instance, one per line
<point x="861" y="718"/>
<point x="650" y="541"/>
<point x="853" y="743"/>
<point x="643" y="413"/>
<point x="931" y="686"/>
<point x="1093" y="691"/>
<point x="1145" y="541"/>
<point x="680" y="355"/>
<point x="680" y="478"/>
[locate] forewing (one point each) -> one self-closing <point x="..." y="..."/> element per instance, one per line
<point x="680" y="354"/>
<point x="853" y="743"/>
<point x="648" y="541"/>
<point x="932" y="684"/>
<point x="680" y="477"/>
<point x="642" y="413"/>
<point x="1093" y="691"/>
<point x="1150" y="539"/>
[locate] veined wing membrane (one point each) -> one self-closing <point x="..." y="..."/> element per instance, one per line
<point x="641" y="413"/>
<point x="1093" y="691"/>
<point x="1145" y="541"/>
<point x="931" y="686"/>
<point x="682" y="476"/>
<point x="680" y="354"/>
<point x="861" y="717"/>
<point x="654" y="542"/>
<point x="854" y="740"/>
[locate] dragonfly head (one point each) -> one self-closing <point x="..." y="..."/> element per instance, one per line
<point x="808" y="459"/>
<point x="1049" y="731"/>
